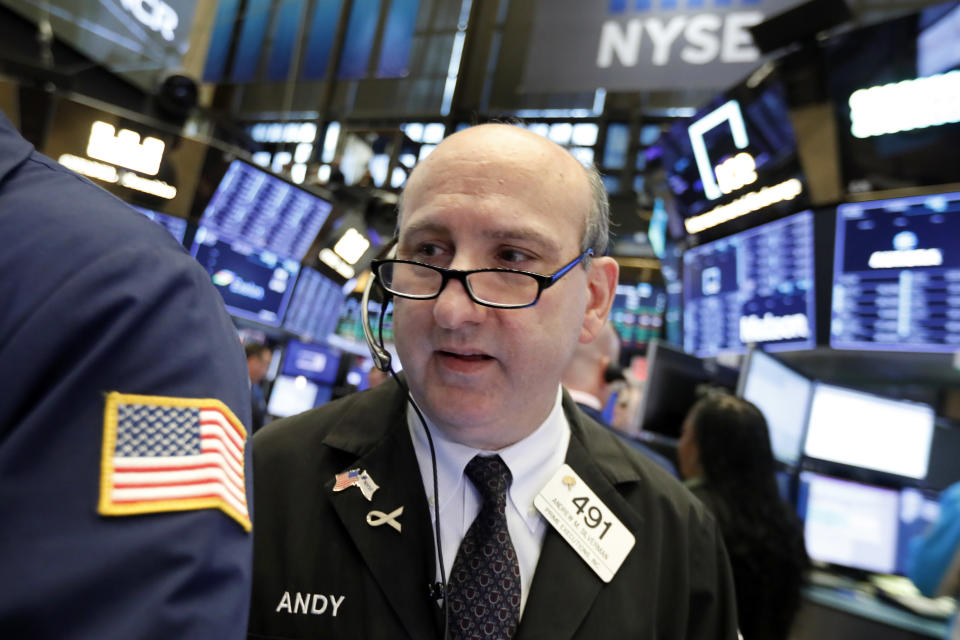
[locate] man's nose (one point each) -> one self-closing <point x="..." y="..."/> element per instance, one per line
<point x="454" y="307"/>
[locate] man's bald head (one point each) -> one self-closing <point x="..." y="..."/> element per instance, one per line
<point x="504" y="141"/>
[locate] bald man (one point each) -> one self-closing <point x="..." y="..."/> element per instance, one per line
<point x="585" y="380"/>
<point x="469" y="497"/>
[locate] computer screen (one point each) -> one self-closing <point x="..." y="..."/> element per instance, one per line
<point x="265" y="210"/>
<point x="756" y="286"/>
<point x="255" y="284"/>
<point x="176" y="226"/>
<point x="315" y="306"/>
<point x="863" y="430"/>
<point x="312" y="361"/>
<point x="290" y="396"/>
<point x="675" y="381"/>
<point x="849" y="523"/>
<point x="637" y="313"/>
<point x="783" y="396"/>
<point x="896" y="275"/>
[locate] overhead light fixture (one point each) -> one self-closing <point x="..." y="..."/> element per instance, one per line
<point x="351" y="246"/>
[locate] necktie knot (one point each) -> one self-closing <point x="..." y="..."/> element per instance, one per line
<point x="491" y="476"/>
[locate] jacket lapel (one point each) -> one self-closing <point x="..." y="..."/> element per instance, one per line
<point x="564" y="586"/>
<point x="402" y="563"/>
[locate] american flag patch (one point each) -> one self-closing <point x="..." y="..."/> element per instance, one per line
<point x="172" y="454"/>
<point x="346" y="479"/>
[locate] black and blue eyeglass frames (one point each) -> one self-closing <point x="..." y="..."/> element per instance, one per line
<point x="498" y="288"/>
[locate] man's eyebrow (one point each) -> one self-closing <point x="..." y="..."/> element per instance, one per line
<point x="517" y="235"/>
<point x="523" y="235"/>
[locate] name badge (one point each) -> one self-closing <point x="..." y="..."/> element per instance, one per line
<point x="585" y="522"/>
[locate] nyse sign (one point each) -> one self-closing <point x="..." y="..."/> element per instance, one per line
<point x="625" y="45"/>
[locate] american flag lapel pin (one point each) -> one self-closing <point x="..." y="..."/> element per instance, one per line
<point x="346" y="479"/>
<point x="358" y="478"/>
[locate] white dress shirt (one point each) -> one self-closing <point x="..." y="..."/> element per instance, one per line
<point x="532" y="462"/>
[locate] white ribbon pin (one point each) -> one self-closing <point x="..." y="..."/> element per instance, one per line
<point x="376" y="518"/>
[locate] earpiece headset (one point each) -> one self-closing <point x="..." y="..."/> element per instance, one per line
<point x="383" y="361"/>
<point x="381" y="357"/>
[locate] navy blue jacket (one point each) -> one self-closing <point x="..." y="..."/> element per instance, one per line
<point x="96" y="298"/>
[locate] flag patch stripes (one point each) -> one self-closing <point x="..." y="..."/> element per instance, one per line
<point x="172" y="454"/>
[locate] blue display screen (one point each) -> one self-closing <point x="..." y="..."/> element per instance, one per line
<point x="896" y="280"/>
<point x="754" y="287"/>
<point x="316" y="363"/>
<point x="254" y="284"/>
<point x="176" y="226"/>
<point x="315" y="306"/>
<point x="265" y="211"/>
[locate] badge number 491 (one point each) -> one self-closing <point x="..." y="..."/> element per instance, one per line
<point x="585" y="522"/>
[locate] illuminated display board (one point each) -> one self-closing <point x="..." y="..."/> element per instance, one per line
<point x="753" y="287"/>
<point x="737" y="156"/>
<point x="132" y="156"/>
<point x="637" y="313"/>
<point x="894" y="89"/>
<point x="315" y="307"/>
<point x="255" y="284"/>
<point x="896" y="280"/>
<point x="265" y="210"/>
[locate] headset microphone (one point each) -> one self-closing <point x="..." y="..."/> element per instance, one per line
<point x="381" y="357"/>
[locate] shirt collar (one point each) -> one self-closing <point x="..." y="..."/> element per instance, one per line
<point x="584" y="398"/>
<point x="532" y="461"/>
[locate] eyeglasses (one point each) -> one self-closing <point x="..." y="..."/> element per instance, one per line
<point x="498" y="288"/>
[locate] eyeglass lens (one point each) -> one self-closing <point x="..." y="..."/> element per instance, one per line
<point x="497" y="287"/>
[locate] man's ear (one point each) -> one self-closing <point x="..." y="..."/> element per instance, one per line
<point x="601" y="288"/>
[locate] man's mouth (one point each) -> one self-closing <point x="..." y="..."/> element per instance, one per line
<point x="466" y="357"/>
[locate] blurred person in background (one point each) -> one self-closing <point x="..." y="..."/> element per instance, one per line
<point x="586" y="378"/>
<point x="934" y="561"/>
<point x="124" y="473"/>
<point x="726" y="461"/>
<point x="259" y="356"/>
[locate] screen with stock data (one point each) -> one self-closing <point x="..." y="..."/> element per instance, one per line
<point x="637" y="313"/>
<point x="254" y="283"/>
<point x="896" y="279"/>
<point x="755" y="286"/>
<point x="315" y="306"/>
<point x="266" y="211"/>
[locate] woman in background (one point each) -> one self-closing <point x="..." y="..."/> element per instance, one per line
<point x="726" y="460"/>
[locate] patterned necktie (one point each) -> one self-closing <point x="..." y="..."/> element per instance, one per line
<point x="484" y="587"/>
